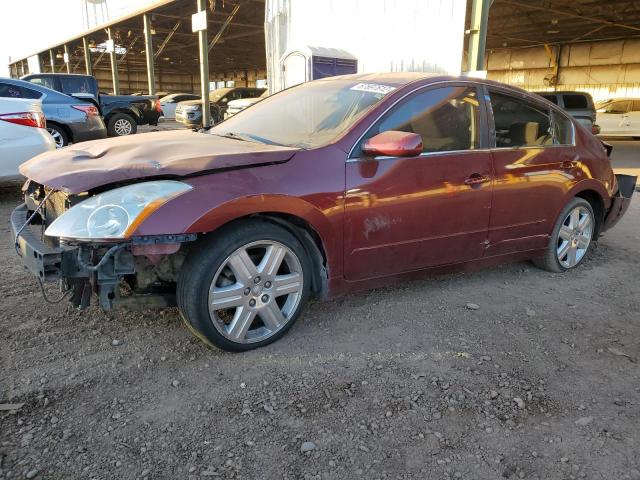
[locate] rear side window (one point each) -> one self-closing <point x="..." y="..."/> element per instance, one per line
<point x="446" y="118"/>
<point x="75" y="85"/>
<point x="575" y="101"/>
<point x="562" y="129"/>
<point x="519" y="123"/>
<point x="17" y="91"/>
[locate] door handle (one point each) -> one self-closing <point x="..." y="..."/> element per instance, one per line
<point x="476" y="179"/>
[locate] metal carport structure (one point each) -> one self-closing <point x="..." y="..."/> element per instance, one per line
<point x="164" y="56"/>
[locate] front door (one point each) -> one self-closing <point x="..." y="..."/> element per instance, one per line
<point x="405" y="214"/>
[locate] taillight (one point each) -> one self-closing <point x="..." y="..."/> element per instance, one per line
<point x="158" y="106"/>
<point x="28" y="119"/>
<point x="90" y="110"/>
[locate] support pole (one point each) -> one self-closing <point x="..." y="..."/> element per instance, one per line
<point x="114" y="66"/>
<point x="52" y="59"/>
<point x="204" y="69"/>
<point x="67" y="58"/>
<point x="478" y="34"/>
<point x="148" y="50"/>
<point x="87" y="55"/>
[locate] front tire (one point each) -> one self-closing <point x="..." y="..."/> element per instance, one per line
<point x="245" y="286"/>
<point x="121" y="124"/>
<point x="571" y="238"/>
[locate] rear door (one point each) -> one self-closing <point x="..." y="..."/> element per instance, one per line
<point x="534" y="162"/>
<point x="409" y="213"/>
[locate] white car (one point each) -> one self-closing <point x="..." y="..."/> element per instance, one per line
<point x="22" y="134"/>
<point x="619" y="117"/>
<point x="235" y="106"/>
<point x="169" y="103"/>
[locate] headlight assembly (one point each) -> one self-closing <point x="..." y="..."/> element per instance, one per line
<point x="115" y="214"/>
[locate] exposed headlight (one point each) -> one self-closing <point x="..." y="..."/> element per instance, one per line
<point x="115" y="214"/>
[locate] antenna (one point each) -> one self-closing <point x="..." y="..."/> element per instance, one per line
<point x="95" y="12"/>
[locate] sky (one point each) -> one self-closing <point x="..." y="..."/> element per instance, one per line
<point x="30" y="25"/>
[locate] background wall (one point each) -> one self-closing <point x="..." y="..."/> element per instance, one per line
<point x="604" y="69"/>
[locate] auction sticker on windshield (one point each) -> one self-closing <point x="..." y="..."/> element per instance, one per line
<point x="373" y="88"/>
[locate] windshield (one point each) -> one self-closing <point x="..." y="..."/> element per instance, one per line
<point x="308" y="115"/>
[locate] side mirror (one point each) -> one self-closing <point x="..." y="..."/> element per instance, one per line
<point x="393" y="144"/>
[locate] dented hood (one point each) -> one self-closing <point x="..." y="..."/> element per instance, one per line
<point x="88" y="165"/>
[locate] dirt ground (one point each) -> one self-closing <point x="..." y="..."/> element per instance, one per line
<point x="540" y="382"/>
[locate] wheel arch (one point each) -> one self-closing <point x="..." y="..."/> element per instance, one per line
<point x="134" y="116"/>
<point x="63" y="127"/>
<point x="597" y="204"/>
<point x="304" y="232"/>
<point x="593" y="192"/>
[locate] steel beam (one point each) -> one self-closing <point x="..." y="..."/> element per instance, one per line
<point x="224" y="26"/>
<point x="478" y="34"/>
<point x="87" y="56"/>
<point x="148" y="51"/>
<point x="52" y="59"/>
<point x="204" y="69"/>
<point x="114" y="66"/>
<point x="167" y="38"/>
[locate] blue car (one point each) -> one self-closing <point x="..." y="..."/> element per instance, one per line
<point x="69" y="120"/>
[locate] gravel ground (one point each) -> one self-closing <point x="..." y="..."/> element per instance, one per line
<point x="540" y="381"/>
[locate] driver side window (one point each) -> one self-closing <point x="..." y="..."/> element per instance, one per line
<point x="447" y="119"/>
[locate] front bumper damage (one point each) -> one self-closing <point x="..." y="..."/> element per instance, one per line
<point x="621" y="200"/>
<point x="83" y="269"/>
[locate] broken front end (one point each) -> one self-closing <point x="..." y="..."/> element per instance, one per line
<point x="87" y="243"/>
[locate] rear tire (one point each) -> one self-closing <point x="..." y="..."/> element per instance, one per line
<point x="121" y="124"/>
<point x="59" y="135"/>
<point x="244" y="286"/>
<point x="571" y="238"/>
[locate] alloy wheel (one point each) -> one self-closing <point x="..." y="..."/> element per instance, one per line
<point x="57" y="137"/>
<point x="256" y="291"/>
<point x="574" y="236"/>
<point x="122" y="127"/>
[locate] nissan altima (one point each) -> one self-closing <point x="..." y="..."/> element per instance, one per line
<point x="328" y="187"/>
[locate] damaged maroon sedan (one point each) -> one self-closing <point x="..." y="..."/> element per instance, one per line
<point x="329" y="187"/>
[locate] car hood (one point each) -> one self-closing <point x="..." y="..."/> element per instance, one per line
<point x="82" y="167"/>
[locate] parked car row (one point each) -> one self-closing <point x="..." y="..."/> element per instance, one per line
<point x="121" y="113"/>
<point x="189" y="113"/>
